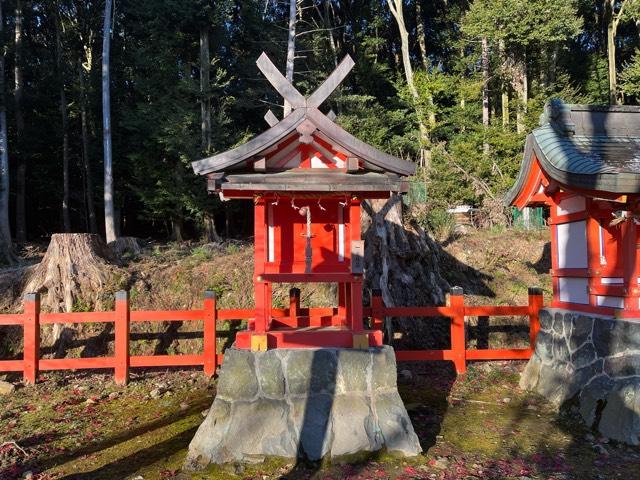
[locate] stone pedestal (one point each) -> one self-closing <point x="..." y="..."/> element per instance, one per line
<point x="595" y="360"/>
<point x="304" y="403"/>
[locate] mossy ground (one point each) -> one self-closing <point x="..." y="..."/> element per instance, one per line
<point x="476" y="426"/>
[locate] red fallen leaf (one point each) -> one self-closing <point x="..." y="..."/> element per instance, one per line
<point x="168" y="473"/>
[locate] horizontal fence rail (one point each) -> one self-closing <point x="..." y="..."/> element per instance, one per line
<point x="122" y="317"/>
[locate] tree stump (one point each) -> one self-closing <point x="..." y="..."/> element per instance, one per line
<point x="76" y="267"/>
<point x="402" y="261"/>
<point x="125" y="245"/>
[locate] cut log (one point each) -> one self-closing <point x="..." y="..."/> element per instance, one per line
<point x="402" y="262"/>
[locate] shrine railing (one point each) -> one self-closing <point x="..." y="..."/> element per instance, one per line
<point x="456" y="310"/>
<point x="122" y="317"/>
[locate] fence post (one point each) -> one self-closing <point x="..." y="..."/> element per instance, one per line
<point x="122" y="338"/>
<point x="294" y="307"/>
<point x="458" y="339"/>
<point x="31" y="337"/>
<point x="377" y="309"/>
<point x="210" y="317"/>
<point x="536" y="302"/>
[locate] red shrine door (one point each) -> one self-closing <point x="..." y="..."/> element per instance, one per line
<point x="307" y="236"/>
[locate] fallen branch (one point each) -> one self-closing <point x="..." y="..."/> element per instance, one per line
<point x="16" y="446"/>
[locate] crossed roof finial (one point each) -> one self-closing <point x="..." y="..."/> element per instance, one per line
<point x="292" y="95"/>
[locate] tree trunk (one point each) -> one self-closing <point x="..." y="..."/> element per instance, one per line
<point x="485" y="92"/>
<point x="329" y="25"/>
<point x="402" y="262"/>
<point x="21" y="171"/>
<point x="504" y="95"/>
<point x="86" y="161"/>
<point x="552" y="64"/>
<point x="109" y="217"/>
<point x="7" y="253"/>
<point x="425" y="153"/>
<point x="612" y="19"/>
<point x="422" y="42"/>
<point x="210" y="232"/>
<point x="205" y="101"/>
<point x="521" y="87"/>
<point x="611" y="58"/>
<point x="291" y="48"/>
<point x="66" y="219"/>
<point x="177" y="229"/>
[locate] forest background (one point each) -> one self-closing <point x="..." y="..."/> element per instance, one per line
<point x="453" y="85"/>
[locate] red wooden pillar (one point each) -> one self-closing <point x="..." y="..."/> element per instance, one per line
<point x="593" y="253"/>
<point x="31" y="355"/>
<point x="630" y="261"/>
<point x="262" y="297"/>
<point x="342" y="305"/>
<point x="356" y="305"/>
<point x="536" y="302"/>
<point x="458" y="339"/>
<point x="377" y="310"/>
<point x="209" y="347"/>
<point x="122" y="338"/>
<point x="554" y="247"/>
<point x="294" y="307"/>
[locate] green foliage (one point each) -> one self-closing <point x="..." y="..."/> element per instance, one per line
<point x="523" y="22"/>
<point x="560" y="46"/>
<point x="441" y="224"/>
<point x="630" y="76"/>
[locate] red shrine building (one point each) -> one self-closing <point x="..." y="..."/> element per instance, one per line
<point x="307" y="178"/>
<point x="583" y="163"/>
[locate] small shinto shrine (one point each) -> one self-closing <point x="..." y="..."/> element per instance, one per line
<point x="307" y="178"/>
<point x="583" y="163"/>
<point x="306" y="383"/>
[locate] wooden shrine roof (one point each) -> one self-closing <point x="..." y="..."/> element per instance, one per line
<point x="588" y="147"/>
<point x="307" y="122"/>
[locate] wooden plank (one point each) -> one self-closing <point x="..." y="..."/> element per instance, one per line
<point x="423" y="355"/>
<point x="11" y="366"/>
<point x="307" y="277"/>
<point x="77" y="317"/>
<point x="271" y="119"/>
<point x="279" y="82"/>
<point x="418" y="312"/>
<point x="166" y="315"/>
<point x="166" y="360"/>
<point x="77" y="363"/>
<point x="236" y="314"/>
<point x="331" y="82"/>
<point x="12" y="319"/>
<point x="495" y="311"/>
<point x="500" y="354"/>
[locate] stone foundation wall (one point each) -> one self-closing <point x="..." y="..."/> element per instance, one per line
<point x="304" y="403"/>
<point x="595" y="360"/>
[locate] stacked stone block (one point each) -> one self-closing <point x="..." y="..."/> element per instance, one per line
<point x="304" y="403"/>
<point x="595" y="360"/>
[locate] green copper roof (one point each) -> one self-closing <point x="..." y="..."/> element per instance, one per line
<point x="586" y="146"/>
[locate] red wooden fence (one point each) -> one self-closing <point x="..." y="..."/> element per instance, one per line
<point x="122" y="317"/>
